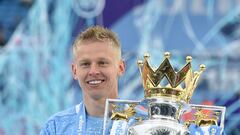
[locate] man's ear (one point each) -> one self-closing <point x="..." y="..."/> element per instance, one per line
<point x="122" y="67"/>
<point x="74" y="71"/>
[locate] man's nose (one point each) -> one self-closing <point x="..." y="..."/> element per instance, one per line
<point x="94" y="70"/>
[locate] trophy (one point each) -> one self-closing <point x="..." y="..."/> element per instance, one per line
<point x="166" y="99"/>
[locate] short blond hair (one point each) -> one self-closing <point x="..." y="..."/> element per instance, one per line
<point x="97" y="33"/>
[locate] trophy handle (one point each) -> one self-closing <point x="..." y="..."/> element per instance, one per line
<point x="111" y="107"/>
<point x="201" y="118"/>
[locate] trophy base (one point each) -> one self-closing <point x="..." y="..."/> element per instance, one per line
<point x="158" y="127"/>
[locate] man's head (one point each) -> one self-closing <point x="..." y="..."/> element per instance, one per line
<point x="97" y="63"/>
<point x="100" y="34"/>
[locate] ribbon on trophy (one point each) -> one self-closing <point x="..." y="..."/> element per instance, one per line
<point x="119" y="127"/>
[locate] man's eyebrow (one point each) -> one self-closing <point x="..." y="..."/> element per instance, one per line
<point x="83" y="60"/>
<point x="102" y="58"/>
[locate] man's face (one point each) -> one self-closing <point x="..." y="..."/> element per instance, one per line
<point x="97" y="68"/>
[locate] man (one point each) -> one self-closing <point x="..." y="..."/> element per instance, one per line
<point x="97" y="65"/>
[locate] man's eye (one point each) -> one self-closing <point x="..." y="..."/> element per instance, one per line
<point x="103" y="63"/>
<point x="85" y="64"/>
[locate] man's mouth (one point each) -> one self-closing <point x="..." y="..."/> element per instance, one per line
<point x="95" y="82"/>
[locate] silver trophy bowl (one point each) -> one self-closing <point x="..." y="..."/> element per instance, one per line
<point x="163" y="118"/>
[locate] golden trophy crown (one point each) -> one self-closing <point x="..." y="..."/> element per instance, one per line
<point x="181" y="84"/>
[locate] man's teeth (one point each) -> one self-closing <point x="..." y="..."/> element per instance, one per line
<point x="95" y="82"/>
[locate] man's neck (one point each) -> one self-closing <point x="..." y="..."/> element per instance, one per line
<point x="95" y="107"/>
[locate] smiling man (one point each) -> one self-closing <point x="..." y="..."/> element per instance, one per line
<point x="97" y="65"/>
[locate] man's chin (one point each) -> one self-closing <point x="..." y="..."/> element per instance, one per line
<point x="98" y="97"/>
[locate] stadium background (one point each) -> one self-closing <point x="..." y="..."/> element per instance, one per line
<point x="35" y="53"/>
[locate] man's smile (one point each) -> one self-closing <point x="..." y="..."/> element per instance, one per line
<point x="95" y="82"/>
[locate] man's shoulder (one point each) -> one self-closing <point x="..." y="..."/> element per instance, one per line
<point x="65" y="114"/>
<point x="62" y="120"/>
<point x="70" y="112"/>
